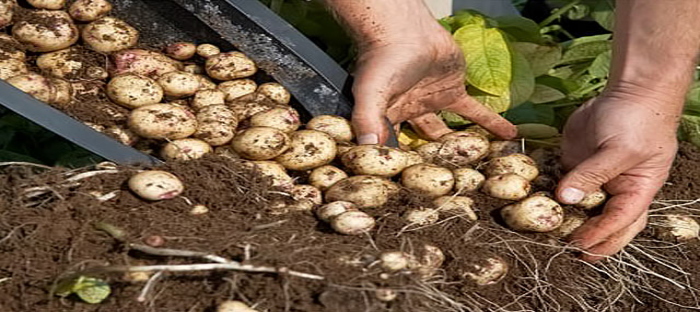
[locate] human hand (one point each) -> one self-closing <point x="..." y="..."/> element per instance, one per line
<point x="409" y="76"/>
<point x="625" y="143"/>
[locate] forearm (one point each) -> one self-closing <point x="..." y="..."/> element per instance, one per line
<point x="656" y="44"/>
<point x="376" y="22"/>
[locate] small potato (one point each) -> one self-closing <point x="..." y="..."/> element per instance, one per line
<point x="275" y="92"/>
<point x="421" y="216"/>
<point x="457" y="205"/>
<point x="430" y="152"/>
<point x="229" y="66"/>
<point x="430" y="179"/>
<point x="234" y="306"/>
<point x="89" y="10"/>
<point x="217" y="113"/>
<point x="467" y="180"/>
<point x="207" y="50"/>
<point x="353" y="223"/>
<point x="504" y="148"/>
<point x="142" y="62"/>
<point x="62" y="92"/>
<point x="337" y="127"/>
<point x="385" y="294"/>
<point x="35" y="85"/>
<point x="276" y="173"/>
<point x="430" y="262"/>
<point x="285" y="119"/>
<point x="331" y="210"/>
<point x="235" y="89"/>
<point x="162" y="121"/>
<point x="519" y="164"/>
<point x="47" y="4"/>
<point x="179" y="84"/>
<point x="7" y="8"/>
<point x="325" y="176"/>
<point x="216" y="125"/>
<point x="363" y="191"/>
<point x="185" y="149"/>
<point x="570" y="224"/>
<point x="413" y="158"/>
<point x="462" y="151"/>
<point x="344" y="147"/>
<point x="508" y="186"/>
<point x="592" y="200"/>
<point x="46" y="31"/>
<point x="249" y="105"/>
<point x="194" y="69"/>
<point x="12" y="67"/>
<point x="487" y="272"/>
<point x="133" y="91"/>
<point x="374" y="160"/>
<point x="678" y="228"/>
<point x="156" y="185"/>
<point x="309" y="149"/>
<point x="260" y="143"/>
<point x="204" y="98"/>
<point x="59" y="63"/>
<point x="533" y="214"/>
<point x="123" y="135"/>
<point x="393" y="261"/>
<point x="307" y="192"/>
<point x="205" y="83"/>
<point x="109" y="34"/>
<point x="181" y="51"/>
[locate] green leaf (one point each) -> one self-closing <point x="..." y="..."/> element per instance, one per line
<point x="530" y="113"/>
<point x="690" y="126"/>
<point x="496" y="103"/>
<point x="488" y="58"/>
<point x="692" y="102"/>
<point x="520" y="28"/>
<point x="542" y="58"/>
<point x="578" y="12"/>
<point x="523" y="84"/>
<point x="92" y="290"/>
<point x="585" y="51"/>
<point x="601" y="65"/>
<point x="546" y="94"/>
<point x="465" y="17"/>
<point x="453" y="120"/>
<point x="587" y="39"/>
<point x="537" y="131"/>
<point x="604" y="14"/>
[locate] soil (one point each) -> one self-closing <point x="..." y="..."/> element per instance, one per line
<point x="50" y="236"/>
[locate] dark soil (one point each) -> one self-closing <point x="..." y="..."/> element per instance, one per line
<point x="53" y="235"/>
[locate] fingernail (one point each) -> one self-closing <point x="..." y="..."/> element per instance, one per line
<point x="572" y="196"/>
<point x="370" y="138"/>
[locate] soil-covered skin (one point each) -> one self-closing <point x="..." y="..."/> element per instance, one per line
<point x="51" y="235"/>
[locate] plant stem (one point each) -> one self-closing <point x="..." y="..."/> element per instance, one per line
<point x="559" y="12"/>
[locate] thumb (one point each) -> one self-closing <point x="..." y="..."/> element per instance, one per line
<point x="592" y="173"/>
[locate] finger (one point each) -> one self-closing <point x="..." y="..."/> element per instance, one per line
<point x="620" y="212"/>
<point x="592" y="173"/>
<point x="615" y="243"/>
<point x="471" y="109"/>
<point x="429" y="126"/>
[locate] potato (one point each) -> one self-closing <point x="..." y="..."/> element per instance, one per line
<point x="237" y="88"/>
<point x="337" y="127"/>
<point x="205" y="83"/>
<point x="458" y="205"/>
<point x="204" y="98"/>
<point x="38" y="86"/>
<point x="325" y="176"/>
<point x="207" y="50"/>
<point x="331" y="210"/>
<point x="421" y="216"/>
<point x="185" y="149"/>
<point x="430" y="152"/>
<point x="413" y="158"/>
<point x="134" y="91"/>
<point x="229" y="66"/>
<point x="430" y="179"/>
<point x="260" y="143"/>
<point x="353" y="223"/>
<point x="47" y="4"/>
<point x="488" y="271"/>
<point x="234" y="306"/>
<point x="156" y="185"/>
<point x="181" y="51"/>
<point x="12" y="67"/>
<point x="593" y="200"/>
<point x="309" y="149"/>
<point x="385" y="294"/>
<point x="283" y="118"/>
<point x="89" y="10"/>
<point x="467" y="180"/>
<point x="275" y="92"/>
<point x="10" y="48"/>
<point x="363" y="191"/>
<point x="46" y="31"/>
<point x="59" y="63"/>
<point x="109" y="34"/>
<point x="62" y="92"/>
<point x="504" y="148"/>
<point x="179" y="84"/>
<point x="142" y="62"/>
<point x="193" y="69"/>
<point x="7" y="8"/>
<point x="307" y="192"/>
<point x="429" y="263"/>
<point x="162" y="121"/>
<point x="123" y="135"/>
<point x="249" y="105"/>
<point x="276" y="173"/>
<point x="681" y="228"/>
<point x="394" y="261"/>
<point x="344" y="147"/>
<point x="374" y="160"/>
<point x="569" y="225"/>
<point x="461" y="151"/>
<point x="533" y="214"/>
<point x="508" y="186"/>
<point x="519" y="164"/>
<point x="216" y="125"/>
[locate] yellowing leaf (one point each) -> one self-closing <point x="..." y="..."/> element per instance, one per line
<point x="523" y="81"/>
<point x="410" y="138"/>
<point x="496" y="103"/>
<point x="92" y="290"/>
<point x="488" y="58"/>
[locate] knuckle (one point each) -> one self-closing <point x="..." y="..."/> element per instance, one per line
<point x="592" y="177"/>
